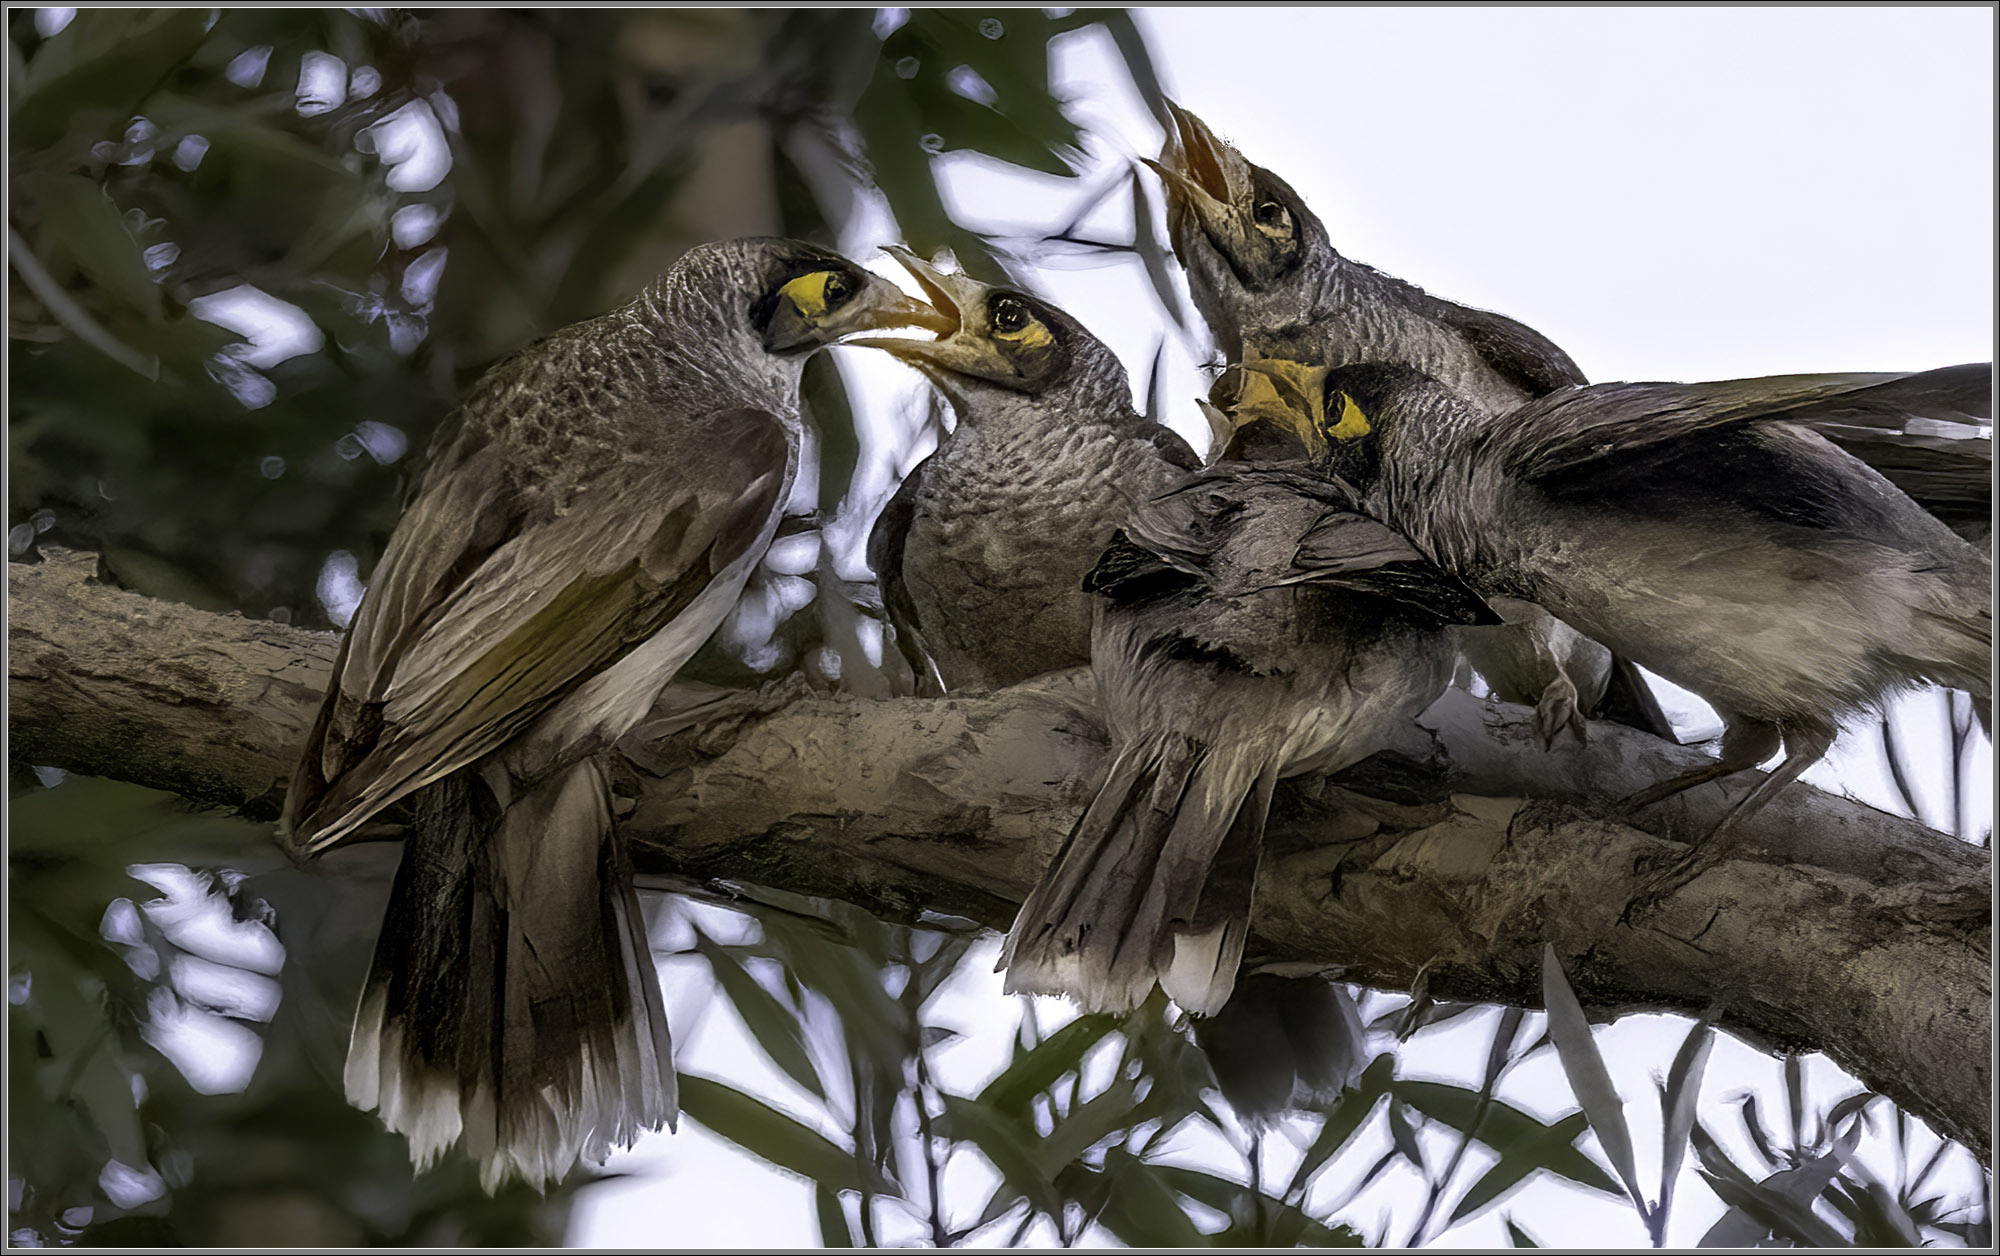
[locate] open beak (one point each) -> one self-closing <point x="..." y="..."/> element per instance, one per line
<point x="883" y="305"/>
<point x="1203" y="175"/>
<point x="1288" y="395"/>
<point x="956" y="351"/>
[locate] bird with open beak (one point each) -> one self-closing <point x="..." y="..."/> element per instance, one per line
<point x="1264" y="273"/>
<point x="583" y="522"/>
<point x="982" y="551"/>
<point x="1705" y="530"/>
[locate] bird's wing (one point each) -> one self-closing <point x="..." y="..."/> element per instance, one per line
<point x="886" y="542"/>
<point x="1239" y="529"/>
<point x="491" y="604"/>
<point x="1518" y="353"/>
<point x="1598" y="427"/>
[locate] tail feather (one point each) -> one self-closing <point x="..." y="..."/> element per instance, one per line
<point x="513" y="1000"/>
<point x="1153" y="885"/>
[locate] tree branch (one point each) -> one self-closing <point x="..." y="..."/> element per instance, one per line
<point x="1829" y="925"/>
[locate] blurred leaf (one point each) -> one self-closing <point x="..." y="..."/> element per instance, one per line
<point x="777" y="1029"/>
<point x="1002" y="1139"/>
<point x="1343" y="1118"/>
<point x="833" y="1230"/>
<point x="92" y="230"/>
<point x="104" y="63"/>
<point x="1551" y="1150"/>
<point x="1583" y="1064"/>
<point x="1141" y="1208"/>
<point x="1517" y="1237"/>
<point x="1035" y="1071"/>
<point x="772" y="1136"/>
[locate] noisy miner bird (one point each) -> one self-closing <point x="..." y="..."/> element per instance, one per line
<point x="1252" y="624"/>
<point x="1707" y="531"/>
<point x="1265" y="275"/>
<point x="586" y="519"/>
<point x="982" y="551"/>
<point x="982" y="555"/>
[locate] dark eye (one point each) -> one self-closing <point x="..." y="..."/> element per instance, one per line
<point x="1010" y="317"/>
<point x="838" y="289"/>
<point x="1274" y="216"/>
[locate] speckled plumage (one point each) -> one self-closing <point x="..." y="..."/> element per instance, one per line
<point x="983" y="548"/>
<point x="584" y="521"/>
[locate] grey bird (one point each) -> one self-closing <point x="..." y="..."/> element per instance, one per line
<point x="1707" y="531"/>
<point x="982" y="555"/>
<point x="1252" y="624"/>
<point x="586" y="518"/>
<point x="1264" y="273"/>
<point x="982" y="550"/>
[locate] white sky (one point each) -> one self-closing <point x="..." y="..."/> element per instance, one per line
<point x="1691" y="193"/>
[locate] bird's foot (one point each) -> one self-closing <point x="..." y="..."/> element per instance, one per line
<point x="1557" y="710"/>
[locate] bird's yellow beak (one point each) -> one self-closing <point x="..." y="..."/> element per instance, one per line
<point x="1288" y="395"/>
<point x="1204" y="176"/>
<point x="957" y="349"/>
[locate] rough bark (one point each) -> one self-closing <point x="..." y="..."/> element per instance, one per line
<point x="1829" y="925"/>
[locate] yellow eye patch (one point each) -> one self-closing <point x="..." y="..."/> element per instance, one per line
<point x="1353" y="424"/>
<point x="808" y="292"/>
<point x="1034" y="335"/>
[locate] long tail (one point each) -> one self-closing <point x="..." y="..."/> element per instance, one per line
<point x="1154" y="884"/>
<point x="513" y="998"/>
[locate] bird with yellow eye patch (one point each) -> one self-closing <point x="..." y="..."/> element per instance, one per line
<point x="585" y="520"/>
<point x="1707" y="531"/>
<point x="981" y="552"/>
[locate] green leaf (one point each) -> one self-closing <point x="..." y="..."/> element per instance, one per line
<point x="775" y="1137"/>
<point x="1552" y="1150"/>
<point x="1781" y="1204"/>
<point x="1090" y="1123"/>
<point x="1588" y="1077"/>
<point x="1002" y="1140"/>
<point x="1677" y="1107"/>
<point x="106" y="62"/>
<point x="777" y="1029"/>
<point x="1035" y="1071"/>
<point x="1504" y="1128"/>
<point x="83" y="219"/>
<point x="1141" y="1207"/>
<point x="1343" y="1118"/>
<point x="1518" y="1237"/>
<point x="833" y="1230"/>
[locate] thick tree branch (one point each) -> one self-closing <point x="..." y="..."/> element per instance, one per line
<point x="1829" y="925"/>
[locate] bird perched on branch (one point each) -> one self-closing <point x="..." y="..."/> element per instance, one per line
<point x="1705" y="530"/>
<point x="585" y="520"/>
<point x="1264" y="273"/>
<point x="1252" y="624"/>
<point x="982" y="551"/>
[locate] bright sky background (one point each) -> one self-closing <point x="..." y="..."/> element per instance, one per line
<point x="1689" y="193"/>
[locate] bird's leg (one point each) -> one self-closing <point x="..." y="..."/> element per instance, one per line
<point x="1745" y="744"/>
<point x="1804" y="746"/>
<point x="1559" y="706"/>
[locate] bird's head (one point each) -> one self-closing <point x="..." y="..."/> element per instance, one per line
<point x="1244" y="236"/>
<point x="776" y="299"/>
<point x="807" y="296"/>
<point x="1336" y="418"/>
<point x="1003" y="350"/>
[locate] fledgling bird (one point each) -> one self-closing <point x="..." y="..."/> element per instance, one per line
<point x="1707" y="531"/>
<point x="982" y="551"/>
<point x="1252" y="624"/>
<point x="1263" y="271"/>
<point x="586" y="518"/>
